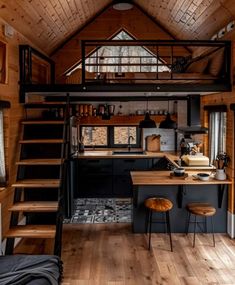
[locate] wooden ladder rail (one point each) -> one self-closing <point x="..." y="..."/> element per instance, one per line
<point x="17" y="197"/>
<point x="64" y="187"/>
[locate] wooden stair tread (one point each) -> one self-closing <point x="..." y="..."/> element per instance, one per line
<point x="40" y="161"/>
<point x="32" y="231"/>
<point x="42" y="122"/>
<point x="37" y="183"/>
<point x="35" y="206"/>
<point x="41" y="141"/>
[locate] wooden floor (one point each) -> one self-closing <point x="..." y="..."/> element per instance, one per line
<point x="99" y="254"/>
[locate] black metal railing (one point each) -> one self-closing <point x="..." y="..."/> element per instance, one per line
<point x="160" y="63"/>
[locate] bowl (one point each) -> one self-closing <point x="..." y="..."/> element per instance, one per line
<point x="179" y="171"/>
<point x="203" y="176"/>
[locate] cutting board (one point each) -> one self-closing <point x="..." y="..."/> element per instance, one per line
<point x="153" y="143"/>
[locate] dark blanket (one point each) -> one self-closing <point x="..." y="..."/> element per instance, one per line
<point x="30" y="269"/>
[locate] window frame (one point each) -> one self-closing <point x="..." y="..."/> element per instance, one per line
<point x="112" y="144"/>
<point x="96" y="126"/>
<point x="110" y="137"/>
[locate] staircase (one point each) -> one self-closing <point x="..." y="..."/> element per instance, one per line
<point x="41" y="184"/>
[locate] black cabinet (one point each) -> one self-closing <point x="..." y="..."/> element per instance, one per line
<point x="106" y="177"/>
<point x="121" y="174"/>
<point x="94" y="178"/>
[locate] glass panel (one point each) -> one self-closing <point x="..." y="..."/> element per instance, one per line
<point x="95" y="136"/>
<point x="217" y="134"/>
<point x="121" y="135"/>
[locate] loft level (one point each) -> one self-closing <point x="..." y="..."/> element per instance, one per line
<point x="175" y="67"/>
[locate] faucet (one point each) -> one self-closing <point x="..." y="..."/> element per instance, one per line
<point x="129" y="142"/>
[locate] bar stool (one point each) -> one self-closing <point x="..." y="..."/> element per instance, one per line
<point x="203" y="210"/>
<point x="158" y="204"/>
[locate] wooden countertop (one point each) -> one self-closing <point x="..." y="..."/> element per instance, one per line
<point x="164" y="178"/>
<point x="109" y="154"/>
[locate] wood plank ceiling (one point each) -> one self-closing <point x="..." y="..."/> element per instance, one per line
<point x="48" y="23"/>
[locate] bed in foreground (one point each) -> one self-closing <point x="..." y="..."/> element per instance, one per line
<point x="30" y="270"/>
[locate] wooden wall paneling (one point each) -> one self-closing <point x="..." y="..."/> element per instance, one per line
<point x="227" y="99"/>
<point x="12" y="116"/>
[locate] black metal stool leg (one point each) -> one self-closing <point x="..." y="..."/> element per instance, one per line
<point x="194" y="232"/>
<point x="212" y="224"/>
<point x="169" y="227"/>
<point x="147" y="218"/>
<point x="150" y="228"/>
<point x="187" y="223"/>
<point x="205" y="224"/>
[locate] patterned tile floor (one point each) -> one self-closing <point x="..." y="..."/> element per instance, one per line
<point x="105" y="210"/>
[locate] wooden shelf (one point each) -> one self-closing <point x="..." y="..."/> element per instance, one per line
<point x="121" y="120"/>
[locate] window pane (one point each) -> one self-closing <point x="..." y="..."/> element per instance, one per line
<point x="95" y="136"/>
<point x="217" y="135"/>
<point x="121" y="135"/>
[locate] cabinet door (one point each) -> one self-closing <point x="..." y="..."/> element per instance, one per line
<point x="122" y="186"/>
<point x="96" y="186"/>
<point x="95" y="166"/>
<point x="124" y="166"/>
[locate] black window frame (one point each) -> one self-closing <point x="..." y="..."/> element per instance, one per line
<point x="110" y="137"/>
<point x="112" y="144"/>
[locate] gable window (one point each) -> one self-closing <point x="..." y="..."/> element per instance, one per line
<point x="217" y="133"/>
<point x="120" y="59"/>
<point x="2" y="156"/>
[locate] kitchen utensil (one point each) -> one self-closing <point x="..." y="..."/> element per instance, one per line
<point x="220" y="174"/>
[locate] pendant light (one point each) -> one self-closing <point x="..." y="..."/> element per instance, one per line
<point x="168" y="123"/>
<point x="147" y="122"/>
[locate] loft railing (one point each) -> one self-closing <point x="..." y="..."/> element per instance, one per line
<point x="160" y="64"/>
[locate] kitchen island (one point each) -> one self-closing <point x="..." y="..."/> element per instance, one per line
<point x="180" y="190"/>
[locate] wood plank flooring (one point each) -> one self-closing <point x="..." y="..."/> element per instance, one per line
<point x="100" y="254"/>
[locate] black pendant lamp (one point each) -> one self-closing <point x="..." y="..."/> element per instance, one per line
<point x="147" y="122"/>
<point x="168" y="123"/>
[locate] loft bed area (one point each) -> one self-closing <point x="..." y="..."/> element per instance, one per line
<point x="133" y="65"/>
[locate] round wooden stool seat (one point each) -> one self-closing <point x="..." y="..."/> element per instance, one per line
<point x="201" y="209"/>
<point x="158" y="204"/>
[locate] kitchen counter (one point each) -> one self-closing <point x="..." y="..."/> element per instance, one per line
<point x="109" y="154"/>
<point x="172" y="157"/>
<point x="164" y="178"/>
<point x="180" y="191"/>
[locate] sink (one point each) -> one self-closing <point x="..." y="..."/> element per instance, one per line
<point x="126" y="152"/>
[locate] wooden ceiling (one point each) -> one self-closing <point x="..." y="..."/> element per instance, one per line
<point x="48" y="23"/>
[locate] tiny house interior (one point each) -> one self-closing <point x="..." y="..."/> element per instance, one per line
<point x="114" y="114"/>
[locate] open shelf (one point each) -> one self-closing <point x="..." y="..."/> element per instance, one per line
<point x="120" y="120"/>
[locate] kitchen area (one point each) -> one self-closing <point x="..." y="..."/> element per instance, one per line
<point x="113" y="158"/>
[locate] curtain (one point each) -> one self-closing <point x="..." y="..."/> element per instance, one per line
<point x="2" y="157"/>
<point x="217" y="134"/>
